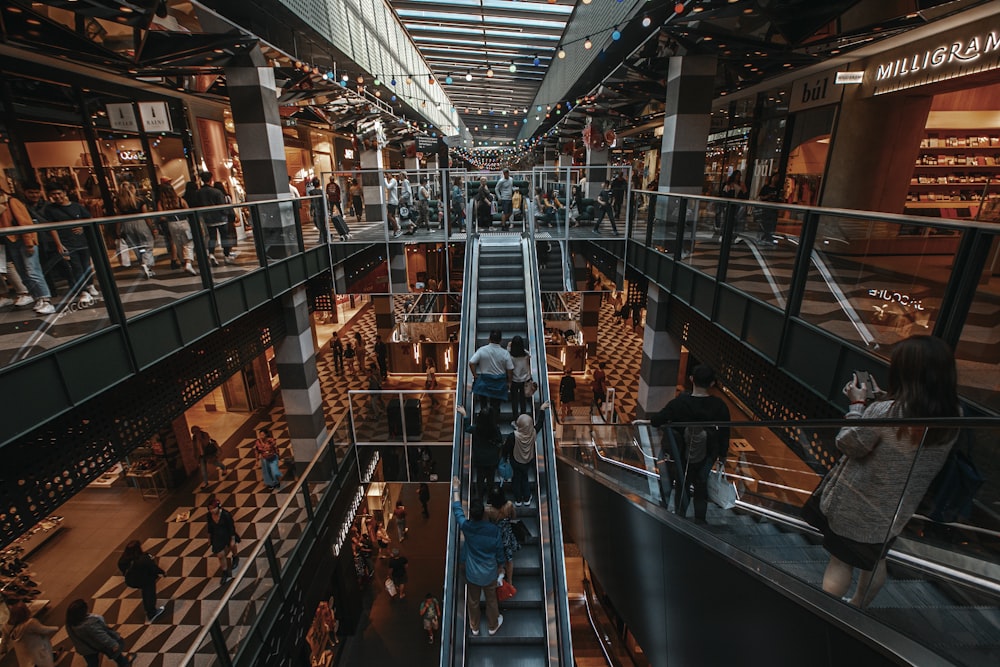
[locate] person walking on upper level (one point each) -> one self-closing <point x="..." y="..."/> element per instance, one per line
<point x="605" y="207"/>
<point x="698" y="448"/>
<point x="73" y="240"/>
<point x="337" y="348"/>
<point x="392" y="204"/>
<point x="870" y="494"/>
<point x="23" y="251"/>
<point x="492" y="372"/>
<point x="136" y="232"/>
<point x="484" y="561"/>
<point x="399" y="514"/>
<point x="333" y="196"/>
<point x="619" y="186"/>
<point x="505" y="193"/>
<point x="483" y="206"/>
<point x="266" y="450"/>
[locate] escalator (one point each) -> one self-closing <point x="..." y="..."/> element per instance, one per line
<point x="926" y="613"/>
<point x="501" y="293"/>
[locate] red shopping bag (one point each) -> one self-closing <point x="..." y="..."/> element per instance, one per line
<point x="506" y="591"/>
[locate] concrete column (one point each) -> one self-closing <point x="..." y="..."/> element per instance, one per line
<point x="254" y="102"/>
<point x="597" y="172"/>
<point x="300" y="391"/>
<point x="590" y="311"/>
<point x="860" y="151"/>
<point x="372" y="184"/>
<point x="690" y="81"/>
<point x="660" y="356"/>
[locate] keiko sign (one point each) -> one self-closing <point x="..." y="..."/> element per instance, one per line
<point x="961" y="56"/>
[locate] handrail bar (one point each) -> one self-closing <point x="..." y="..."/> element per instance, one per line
<point x="921" y="220"/>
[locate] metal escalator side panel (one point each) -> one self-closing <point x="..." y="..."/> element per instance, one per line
<point x="453" y="646"/>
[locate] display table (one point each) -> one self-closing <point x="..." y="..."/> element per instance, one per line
<point x="151" y="482"/>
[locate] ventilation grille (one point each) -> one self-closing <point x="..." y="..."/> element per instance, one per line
<point x="757" y="383"/>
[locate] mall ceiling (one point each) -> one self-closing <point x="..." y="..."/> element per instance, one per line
<point x="753" y="40"/>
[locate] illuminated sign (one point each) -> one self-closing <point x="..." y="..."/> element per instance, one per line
<point x="155" y="116"/>
<point x="849" y="77"/>
<point x="896" y="297"/>
<point x="122" y="117"/>
<point x="131" y="156"/>
<point x="348" y="154"/>
<point x="978" y="52"/>
<point x="814" y="91"/>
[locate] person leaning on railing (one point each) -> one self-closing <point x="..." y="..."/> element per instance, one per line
<point x="871" y="493"/>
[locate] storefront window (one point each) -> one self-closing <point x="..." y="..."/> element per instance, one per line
<point x="810" y="144"/>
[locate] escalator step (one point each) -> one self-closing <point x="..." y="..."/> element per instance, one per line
<point x="530" y="592"/>
<point x="527" y="560"/>
<point x="520" y="626"/>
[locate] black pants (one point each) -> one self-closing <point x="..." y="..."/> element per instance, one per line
<point x="149" y="599"/>
<point x="484" y="481"/>
<point x="697" y="477"/>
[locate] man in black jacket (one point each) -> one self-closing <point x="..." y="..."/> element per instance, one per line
<point x="697" y="449"/>
<point x="214" y="221"/>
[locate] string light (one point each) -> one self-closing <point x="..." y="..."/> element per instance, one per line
<point x="537" y="61"/>
<point x="646" y="21"/>
<point x="562" y="53"/>
<point x="489" y="73"/>
<point x="588" y="44"/>
<point x="448" y="80"/>
<point x="468" y="75"/>
<point x="616" y="34"/>
<point x="513" y="67"/>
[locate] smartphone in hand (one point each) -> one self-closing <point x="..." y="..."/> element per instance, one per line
<point x="864" y="378"/>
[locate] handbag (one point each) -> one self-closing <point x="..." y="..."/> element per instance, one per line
<point x="505" y="591"/>
<point x="721" y="491"/>
<point x="506" y="470"/>
<point x="390" y="587"/>
<point x="530" y="387"/>
<point x="521" y="532"/>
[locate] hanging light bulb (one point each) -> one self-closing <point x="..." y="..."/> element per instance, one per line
<point x="646" y="21"/>
<point x="430" y="80"/>
<point x="393" y="81"/>
<point x="562" y="53"/>
<point x="679" y="8"/>
<point x="587" y="44"/>
<point x="537" y="61"/>
<point x="408" y="81"/>
<point x="361" y="79"/>
<point x="489" y="73"/>
<point x="468" y="75"/>
<point x="448" y="80"/>
<point x="513" y="67"/>
<point x="586" y="2"/>
<point x="344" y="78"/>
<point x="616" y="34"/>
<point x="378" y="82"/>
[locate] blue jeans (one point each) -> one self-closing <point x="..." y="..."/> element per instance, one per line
<point x="29" y="266"/>
<point x="520" y="483"/>
<point x="271" y="472"/>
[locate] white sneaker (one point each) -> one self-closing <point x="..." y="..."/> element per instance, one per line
<point x="6" y="301"/>
<point x="190" y="269"/>
<point x="24" y="300"/>
<point x="234" y="253"/>
<point x="86" y="299"/>
<point x="146" y="272"/>
<point x="92" y="290"/>
<point x="45" y="308"/>
<point x="499" y="623"/>
<point x="213" y="260"/>
<point x="229" y="260"/>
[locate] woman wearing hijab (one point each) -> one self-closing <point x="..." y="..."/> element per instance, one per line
<point x="522" y="455"/>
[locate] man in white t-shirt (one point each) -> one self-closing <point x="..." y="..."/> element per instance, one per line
<point x="492" y="371"/>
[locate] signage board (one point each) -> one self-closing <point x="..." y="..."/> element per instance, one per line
<point x="850" y="77"/>
<point x="814" y="91"/>
<point x="122" y="117"/>
<point x="155" y="116"/>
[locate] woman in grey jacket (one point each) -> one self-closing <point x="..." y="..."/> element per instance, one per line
<point x="92" y="637"/>
<point x="872" y="492"/>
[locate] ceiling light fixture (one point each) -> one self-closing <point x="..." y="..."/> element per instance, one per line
<point x="646" y="21"/>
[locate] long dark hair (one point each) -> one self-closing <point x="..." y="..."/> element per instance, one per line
<point x="923" y="382"/>
<point x="517" y="347"/>
<point x="76" y="613"/>
<point x="133" y="551"/>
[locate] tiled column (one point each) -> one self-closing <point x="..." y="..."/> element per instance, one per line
<point x="254" y="102"/>
<point x="690" y="81"/>
<point x="300" y="390"/>
<point x="597" y="172"/>
<point x="590" y="311"/>
<point x="372" y="185"/>
<point x="660" y="356"/>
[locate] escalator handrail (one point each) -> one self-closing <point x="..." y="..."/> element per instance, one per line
<point x="452" y="615"/>
<point x="560" y="646"/>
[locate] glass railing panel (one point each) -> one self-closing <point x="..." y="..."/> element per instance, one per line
<point x="659" y="214"/>
<point x="763" y="250"/>
<point x="280" y="225"/>
<point x="885" y="278"/>
<point x="977" y="354"/>
<point x="77" y="301"/>
<point x="152" y="259"/>
<point x="703" y="230"/>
